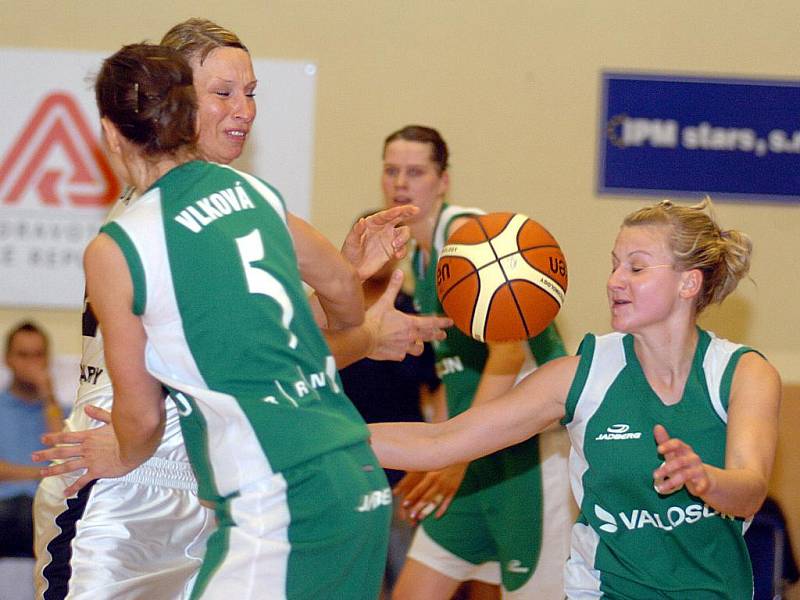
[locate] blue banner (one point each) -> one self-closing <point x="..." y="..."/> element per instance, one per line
<point x="677" y="136"/>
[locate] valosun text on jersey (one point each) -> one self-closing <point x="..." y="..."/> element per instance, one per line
<point x="639" y="518"/>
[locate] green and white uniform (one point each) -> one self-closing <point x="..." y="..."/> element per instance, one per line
<point x="303" y="507"/>
<point x="630" y="542"/>
<point x="509" y="522"/>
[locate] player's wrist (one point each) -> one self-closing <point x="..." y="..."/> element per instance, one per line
<point x="711" y="482"/>
<point x="371" y="328"/>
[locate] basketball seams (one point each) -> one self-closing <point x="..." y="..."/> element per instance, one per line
<point x="512" y="227"/>
<point x="514" y="297"/>
<point x="508" y="282"/>
<point x="550" y="295"/>
<point x="544" y="283"/>
<point x="486" y="236"/>
<point x="459" y="281"/>
<point x="477" y="272"/>
<point x="540" y="247"/>
<point x="505" y="232"/>
<point x="486" y="255"/>
<point x="498" y="258"/>
<point x="532" y="267"/>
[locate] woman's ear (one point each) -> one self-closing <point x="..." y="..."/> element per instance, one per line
<point x="111" y="135"/>
<point x="691" y="283"/>
<point x="444" y="183"/>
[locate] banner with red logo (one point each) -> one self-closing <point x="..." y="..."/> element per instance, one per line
<point x="56" y="185"/>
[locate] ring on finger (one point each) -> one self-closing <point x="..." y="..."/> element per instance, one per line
<point x="426" y="510"/>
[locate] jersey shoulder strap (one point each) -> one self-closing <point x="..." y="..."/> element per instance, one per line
<point x="602" y="359"/>
<point x="719" y="363"/>
<point x="446" y="217"/>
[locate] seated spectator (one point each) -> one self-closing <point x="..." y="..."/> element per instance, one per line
<point x="27" y="410"/>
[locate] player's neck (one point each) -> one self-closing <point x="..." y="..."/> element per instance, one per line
<point x="666" y="360"/>
<point x="145" y="172"/>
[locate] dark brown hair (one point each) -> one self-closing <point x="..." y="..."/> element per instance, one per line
<point x="27" y="326"/>
<point x="425" y="135"/>
<point x="146" y="91"/>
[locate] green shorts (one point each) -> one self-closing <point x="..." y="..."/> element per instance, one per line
<point x="497" y="513"/>
<point x="501" y="528"/>
<point x="319" y="530"/>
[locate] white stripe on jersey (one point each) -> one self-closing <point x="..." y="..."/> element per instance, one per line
<point x="267" y="192"/>
<point x="607" y="362"/>
<point x="715" y="362"/>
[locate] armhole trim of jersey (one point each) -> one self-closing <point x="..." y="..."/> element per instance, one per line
<point x="446" y="218"/>
<point x="267" y="191"/>
<point x="727" y="379"/>
<point x="135" y="267"/>
<point x="586" y="352"/>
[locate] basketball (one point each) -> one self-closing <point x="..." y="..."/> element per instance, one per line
<point x="501" y="277"/>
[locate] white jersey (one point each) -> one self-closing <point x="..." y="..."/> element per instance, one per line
<point x="98" y="544"/>
<point x="95" y="384"/>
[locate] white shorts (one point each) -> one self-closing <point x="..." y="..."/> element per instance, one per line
<point x="426" y="551"/>
<point x="139" y="536"/>
<point x="559" y="511"/>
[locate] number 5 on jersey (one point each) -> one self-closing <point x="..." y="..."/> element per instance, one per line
<point x="259" y="281"/>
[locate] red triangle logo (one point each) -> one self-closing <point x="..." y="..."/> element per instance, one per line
<point x="58" y="126"/>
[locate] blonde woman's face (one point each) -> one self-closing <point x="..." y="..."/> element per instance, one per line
<point x="225" y="84"/>
<point x="643" y="287"/>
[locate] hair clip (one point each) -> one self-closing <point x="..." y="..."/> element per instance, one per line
<point x="136" y="95"/>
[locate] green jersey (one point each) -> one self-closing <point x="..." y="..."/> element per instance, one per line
<point x="229" y="329"/>
<point x="630" y="541"/>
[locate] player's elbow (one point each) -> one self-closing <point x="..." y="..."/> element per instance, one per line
<point x="755" y="499"/>
<point x="742" y="500"/>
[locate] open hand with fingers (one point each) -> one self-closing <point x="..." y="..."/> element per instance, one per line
<point x="682" y="466"/>
<point x="431" y="492"/>
<point x="94" y="451"/>
<point x="396" y="333"/>
<point x="375" y="239"/>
